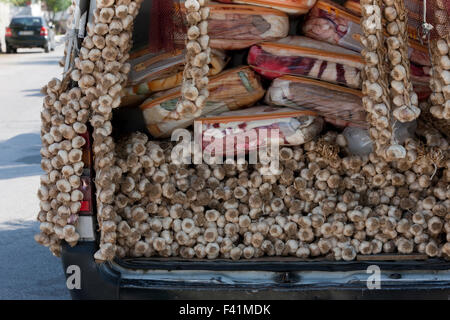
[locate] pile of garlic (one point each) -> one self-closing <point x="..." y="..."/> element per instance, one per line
<point x="314" y="204"/>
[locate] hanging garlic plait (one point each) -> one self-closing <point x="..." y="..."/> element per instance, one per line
<point x="440" y="55"/>
<point x="63" y="122"/>
<point x="101" y="72"/>
<point x="194" y="90"/>
<point x="403" y="97"/>
<point x="376" y="100"/>
<point x="440" y="80"/>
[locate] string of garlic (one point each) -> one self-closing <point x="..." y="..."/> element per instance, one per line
<point x="403" y="97"/>
<point x="376" y="100"/>
<point x="194" y="89"/>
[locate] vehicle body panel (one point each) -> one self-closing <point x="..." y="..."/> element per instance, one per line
<point x="266" y="279"/>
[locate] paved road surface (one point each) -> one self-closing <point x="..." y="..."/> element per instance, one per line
<point x="27" y="270"/>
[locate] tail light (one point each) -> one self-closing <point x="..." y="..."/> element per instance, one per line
<point x="87" y="205"/>
<point x="86" y="189"/>
<point x="85" y="220"/>
<point x="44" y="31"/>
<point x="8" y="32"/>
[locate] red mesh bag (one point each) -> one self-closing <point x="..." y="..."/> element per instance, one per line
<point x="437" y="14"/>
<point x="167" y="27"/>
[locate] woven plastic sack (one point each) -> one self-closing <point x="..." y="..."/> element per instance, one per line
<point x="335" y="103"/>
<point x="293" y="7"/>
<point x="230" y="90"/>
<point x="232" y="27"/>
<point x="152" y="73"/>
<point x="301" y="56"/>
<point x="237" y="132"/>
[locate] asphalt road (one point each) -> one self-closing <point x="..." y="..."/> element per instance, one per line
<point x="27" y="270"/>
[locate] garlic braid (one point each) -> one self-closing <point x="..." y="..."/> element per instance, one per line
<point x="63" y="122"/>
<point x="375" y="85"/>
<point x="194" y="90"/>
<point x="440" y="55"/>
<point x="403" y="97"/>
<point x="107" y="44"/>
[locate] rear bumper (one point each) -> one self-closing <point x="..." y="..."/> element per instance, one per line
<point x="175" y="280"/>
<point x="26" y="43"/>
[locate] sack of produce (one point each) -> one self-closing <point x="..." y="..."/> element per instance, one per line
<point x="329" y="22"/>
<point x="422" y="89"/>
<point x="233" y="27"/>
<point x="237" y="132"/>
<point x="335" y="103"/>
<point x="230" y="90"/>
<point x="302" y="56"/>
<point x="152" y="73"/>
<point x="293" y="7"/>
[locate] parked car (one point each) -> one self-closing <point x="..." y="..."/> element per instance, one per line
<point x="29" y="32"/>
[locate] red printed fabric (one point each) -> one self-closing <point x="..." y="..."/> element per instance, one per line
<point x="292" y="7"/>
<point x="325" y="24"/>
<point x="233" y="27"/>
<point x="166" y="26"/>
<point x="336" y="68"/>
<point x="242" y="131"/>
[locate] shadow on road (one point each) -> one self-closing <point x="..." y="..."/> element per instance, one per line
<point x="20" y="156"/>
<point x="27" y="51"/>
<point x="33" y="93"/>
<point x="49" y="61"/>
<point x="31" y="272"/>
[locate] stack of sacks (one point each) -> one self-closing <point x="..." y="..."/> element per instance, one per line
<point x="232" y="89"/>
<point x="156" y="77"/>
<point x="291" y="7"/>
<point x="302" y="56"/>
<point x="152" y="73"/>
<point x="312" y="75"/>
<point x="329" y="22"/>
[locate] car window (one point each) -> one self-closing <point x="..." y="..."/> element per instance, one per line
<point x="26" y="22"/>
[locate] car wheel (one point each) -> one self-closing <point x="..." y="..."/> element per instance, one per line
<point x="47" y="47"/>
<point x="10" y="50"/>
